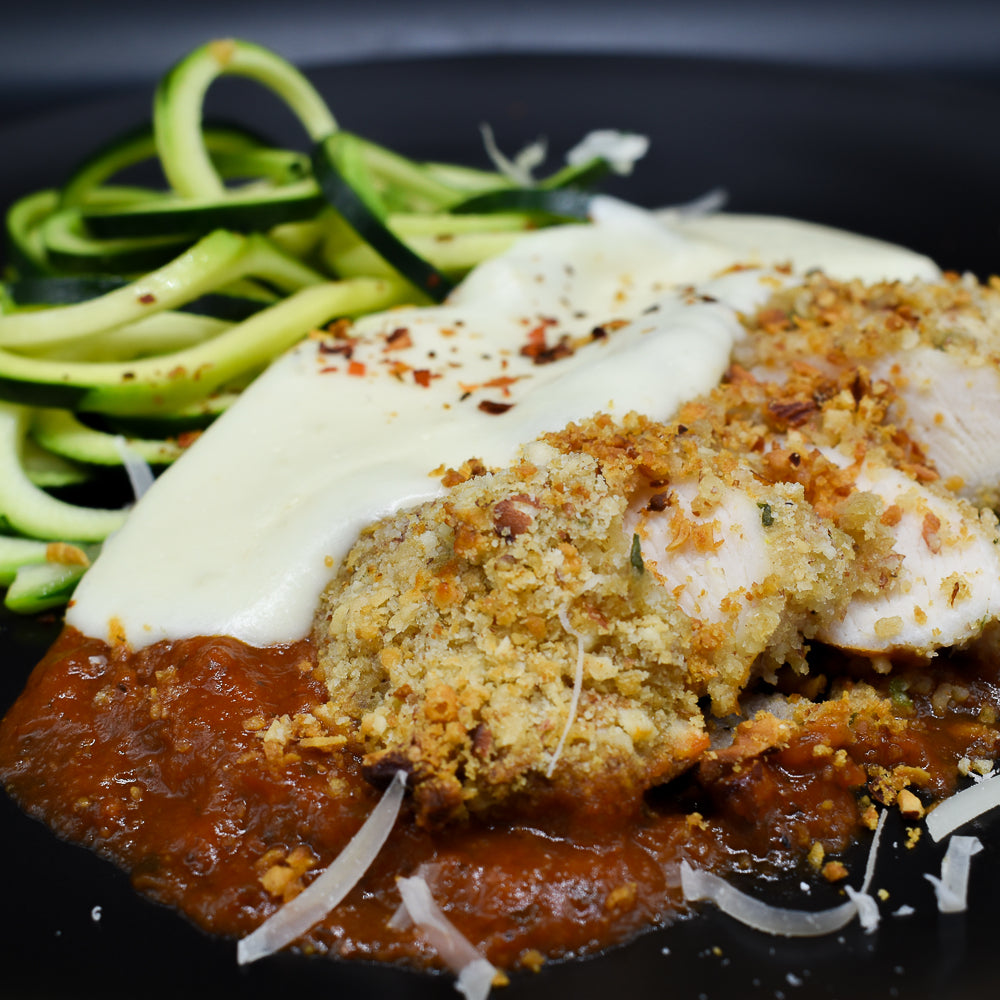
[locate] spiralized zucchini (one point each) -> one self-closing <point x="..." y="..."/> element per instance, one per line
<point x="145" y="311"/>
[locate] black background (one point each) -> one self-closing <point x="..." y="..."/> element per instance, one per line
<point x="878" y="117"/>
<point x="55" y="50"/>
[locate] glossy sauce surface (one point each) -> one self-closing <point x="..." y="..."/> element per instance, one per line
<point x="156" y="760"/>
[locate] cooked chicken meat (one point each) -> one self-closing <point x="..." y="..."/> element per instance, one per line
<point x="947" y="399"/>
<point x="750" y="564"/>
<point x="563" y="625"/>
<point x="947" y="585"/>
<point x="461" y="640"/>
<point x="937" y="345"/>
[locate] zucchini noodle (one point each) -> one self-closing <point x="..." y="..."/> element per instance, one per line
<point x="145" y="311"/>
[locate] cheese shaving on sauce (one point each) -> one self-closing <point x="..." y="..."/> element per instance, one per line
<point x="781" y="921"/>
<point x="963" y="807"/>
<point x="322" y="895"/>
<point x="475" y="973"/>
<point x="953" y="886"/>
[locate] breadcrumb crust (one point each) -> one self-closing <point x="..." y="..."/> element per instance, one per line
<point x="451" y="636"/>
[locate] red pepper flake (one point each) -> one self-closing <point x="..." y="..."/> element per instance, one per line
<point x="600" y="332"/>
<point x="147" y="298"/>
<point x="536" y="341"/>
<point x="187" y="438"/>
<point x="328" y="369"/>
<point x="339" y="328"/>
<point x="356" y="368"/>
<point x="343" y="348"/>
<point x="495" y="409"/>
<point x="398" y="339"/>
<point x="539" y="350"/>
<point x="502" y="382"/>
<point x="423" y="376"/>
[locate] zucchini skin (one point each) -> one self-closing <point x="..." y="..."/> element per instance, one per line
<point x="64" y="290"/>
<point x="335" y="165"/>
<point x="177" y="108"/>
<point x="245" y="212"/>
<point x="149" y="386"/>
<point x="149" y="311"/>
<point x="138" y="145"/>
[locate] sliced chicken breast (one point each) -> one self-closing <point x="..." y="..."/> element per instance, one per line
<point x="945" y="590"/>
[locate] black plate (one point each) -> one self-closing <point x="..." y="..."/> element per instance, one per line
<point x="911" y="162"/>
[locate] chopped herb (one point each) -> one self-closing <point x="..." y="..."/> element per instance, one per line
<point x="897" y="692"/>
<point x="635" y="557"/>
<point x="766" y="514"/>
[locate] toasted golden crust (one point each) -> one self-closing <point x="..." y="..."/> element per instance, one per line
<point x="452" y="637"/>
<point x="453" y="634"/>
<point x="539" y="630"/>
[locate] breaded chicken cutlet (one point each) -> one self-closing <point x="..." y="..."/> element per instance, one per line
<point x="563" y="627"/>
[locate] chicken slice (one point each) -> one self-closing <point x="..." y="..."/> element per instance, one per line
<point x="750" y="563"/>
<point x="945" y="589"/>
<point x="947" y="400"/>
<point x="714" y="560"/>
<point x="936" y="343"/>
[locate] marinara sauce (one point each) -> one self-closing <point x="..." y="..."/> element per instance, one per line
<point x="158" y="761"/>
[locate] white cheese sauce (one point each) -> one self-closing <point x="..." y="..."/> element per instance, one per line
<point x="240" y="536"/>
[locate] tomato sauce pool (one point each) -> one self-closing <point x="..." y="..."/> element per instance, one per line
<point x="161" y="761"/>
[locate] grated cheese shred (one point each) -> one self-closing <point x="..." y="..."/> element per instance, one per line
<point x="322" y="895"/>
<point x="574" y="700"/>
<point x="963" y="807"/>
<point x="140" y="475"/>
<point x="783" y="921"/>
<point x="475" y="973"/>
<point x="952" y="888"/>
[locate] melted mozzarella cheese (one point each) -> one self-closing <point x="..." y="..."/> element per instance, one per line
<point x="240" y="536"/>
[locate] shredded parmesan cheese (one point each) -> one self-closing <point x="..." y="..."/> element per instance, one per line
<point x="963" y="807"/>
<point x="953" y="886"/>
<point x="475" y="973"/>
<point x="574" y="698"/>
<point x="140" y="475"/>
<point x="519" y="170"/>
<point x="781" y="921"/>
<point x="620" y="150"/>
<point x="867" y="908"/>
<point x="322" y="895"/>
